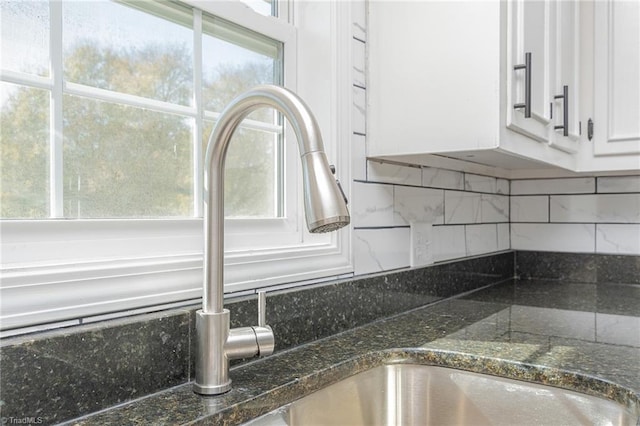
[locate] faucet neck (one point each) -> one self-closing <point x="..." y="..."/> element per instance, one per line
<point x="309" y="140"/>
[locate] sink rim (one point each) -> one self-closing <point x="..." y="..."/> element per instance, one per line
<point x="392" y="391"/>
<point x="302" y="386"/>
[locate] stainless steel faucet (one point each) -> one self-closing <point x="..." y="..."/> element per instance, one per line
<point x="325" y="210"/>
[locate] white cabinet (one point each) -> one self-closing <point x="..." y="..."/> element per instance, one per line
<point x="617" y="77"/>
<point x="612" y="87"/>
<point x="449" y="78"/>
<point x="565" y="75"/>
<point x="442" y="81"/>
<point x="543" y="46"/>
<point x="529" y="34"/>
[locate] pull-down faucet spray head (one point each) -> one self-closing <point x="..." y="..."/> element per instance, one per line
<point x="324" y="202"/>
<point x="325" y="209"/>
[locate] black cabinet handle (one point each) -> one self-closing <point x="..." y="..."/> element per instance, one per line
<point x="565" y="111"/>
<point x="527" y="85"/>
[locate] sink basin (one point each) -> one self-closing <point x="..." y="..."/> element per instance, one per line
<point x="408" y="394"/>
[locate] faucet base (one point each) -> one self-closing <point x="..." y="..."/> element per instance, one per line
<point x="211" y="390"/>
<point x="212" y="369"/>
<point x="217" y="344"/>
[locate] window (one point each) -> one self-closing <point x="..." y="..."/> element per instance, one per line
<point x="126" y="122"/>
<point x="106" y="111"/>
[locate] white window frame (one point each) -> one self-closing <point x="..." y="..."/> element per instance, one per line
<point x="61" y="270"/>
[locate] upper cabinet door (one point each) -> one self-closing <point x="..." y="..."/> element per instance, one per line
<point x="529" y="34"/>
<point x="565" y="75"/>
<point x="617" y="77"/>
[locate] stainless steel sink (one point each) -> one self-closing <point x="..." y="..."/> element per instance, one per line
<point x="407" y="394"/>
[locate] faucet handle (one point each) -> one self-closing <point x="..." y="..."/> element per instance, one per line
<point x="262" y="309"/>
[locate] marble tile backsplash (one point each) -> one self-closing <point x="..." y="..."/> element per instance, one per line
<point x="381" y="249"/>
<point x="618" y="184"/>
<point x="605" y="208"/>
<point x="553" y="186"/>
<point x="462" y="207"/>
<point x="583" y="215"/>
<point x="412" y="204"/>
<point x="470" y="220"/>
<point x="618" y="238"/>
<point x="441" y="178"/>
<point x="579" y="215"/>
<point x="566" y="237"/>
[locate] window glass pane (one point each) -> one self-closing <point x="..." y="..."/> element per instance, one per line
<point x="116" y="47"/>
<point x="24" y="148"/>
<point x="24" y="35"/>
<point x="229" y="70"/>
<point x="235" y="60"/>
<point x="251" y="181"/>
<point x="125" y="162"/>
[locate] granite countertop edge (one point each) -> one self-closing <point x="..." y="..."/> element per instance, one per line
<point x="284" y="394"/>
<point x="262" y="401"/>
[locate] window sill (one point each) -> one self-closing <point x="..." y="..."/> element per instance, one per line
<point x="59" y="270"/>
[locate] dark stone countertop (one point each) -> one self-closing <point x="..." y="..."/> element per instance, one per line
<point x="579" y="336"/>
